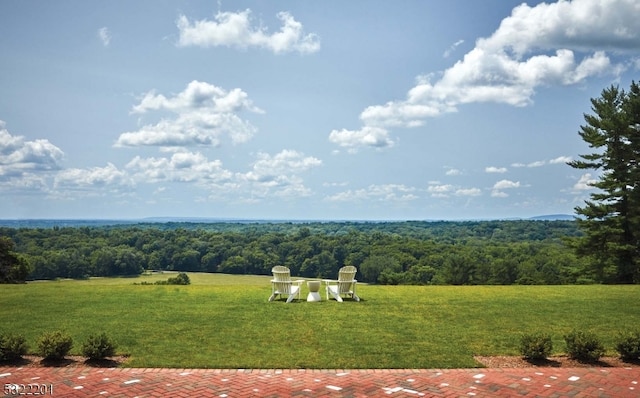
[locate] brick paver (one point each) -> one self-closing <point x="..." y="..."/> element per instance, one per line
<point x="154" y="383"/>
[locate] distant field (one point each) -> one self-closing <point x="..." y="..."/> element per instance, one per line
<point x="224" y="321"/>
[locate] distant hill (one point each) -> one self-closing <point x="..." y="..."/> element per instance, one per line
<point x="553" y="217"/>
<point x="174" y="222"/>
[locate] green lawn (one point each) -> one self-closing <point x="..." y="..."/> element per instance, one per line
<point x="222" y="321"/>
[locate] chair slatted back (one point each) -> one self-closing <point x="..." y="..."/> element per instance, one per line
<point x="282" y="279"/>
<point x="346" y="278"/>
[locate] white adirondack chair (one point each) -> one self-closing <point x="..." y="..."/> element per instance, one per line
<point x="344" y="286"/>
<point x="281" y="284"/>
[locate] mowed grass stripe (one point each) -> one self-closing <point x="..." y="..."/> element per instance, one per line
<point x="223" y="321"/>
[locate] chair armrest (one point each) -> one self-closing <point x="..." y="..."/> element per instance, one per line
<point x="329" y="281"/>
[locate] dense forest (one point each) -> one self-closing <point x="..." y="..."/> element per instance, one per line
<point x="412" y="252"/>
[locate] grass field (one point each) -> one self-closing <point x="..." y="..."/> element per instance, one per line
<point x="223" y="321"/>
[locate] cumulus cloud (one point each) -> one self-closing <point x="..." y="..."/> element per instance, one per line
<point x="561" y="159"/>
<point x="453" y="172"/>
<point x="235" y="29"/>
<point x="504" y="184"/>
<point x="540" y="163"/>
<point x="276" y="175"/>
<point x="468" y="192"/>
<point x="537" y="163"/>
<point x="493" y="169"/>
<point x="498" y="187"/>
<point x="585" y="183"/>
<point x="19" y="156"/>
<point x="180" y="167"/>
<point x="91" y="181"/>
<point x="535" y="46"/>
<point x="440" y="190"/>
<point x="367" y="136"/>
<point x="287" y="161"/>
<point x="105" y="36"/>
<point x="204" y="113"/>
<point x="375" y="192"/>
<point x="561" y="43"/>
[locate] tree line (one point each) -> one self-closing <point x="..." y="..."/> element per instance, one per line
<point x="413" y="252"/>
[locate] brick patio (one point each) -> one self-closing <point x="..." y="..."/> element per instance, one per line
<point x="482" y="382"/>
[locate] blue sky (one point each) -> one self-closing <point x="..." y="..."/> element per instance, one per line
<point x="360" y="110"/>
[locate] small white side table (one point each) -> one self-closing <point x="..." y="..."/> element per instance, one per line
<point x="314" y="289"/>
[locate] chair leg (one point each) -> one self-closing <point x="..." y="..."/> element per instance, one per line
<point x="293" y="295"/>
<point x="334" y="293"/>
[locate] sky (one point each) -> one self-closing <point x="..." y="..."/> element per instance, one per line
<point x="325" y="110"/>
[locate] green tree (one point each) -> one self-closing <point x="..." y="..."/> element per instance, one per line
<point x="13" y="267"/>
<point x="374" y="266"/>
<point x="611" y="218"/>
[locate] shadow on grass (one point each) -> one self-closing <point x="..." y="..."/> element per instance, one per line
<point x="304" y="301"/>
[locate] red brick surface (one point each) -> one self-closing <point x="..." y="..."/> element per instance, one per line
<point x="130" y="382"/>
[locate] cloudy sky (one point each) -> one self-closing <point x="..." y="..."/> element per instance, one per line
<point x="360" y="110"/>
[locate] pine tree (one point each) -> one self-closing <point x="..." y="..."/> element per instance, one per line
<point x="611" y="218"/>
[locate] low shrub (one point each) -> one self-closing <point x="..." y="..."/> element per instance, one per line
<point x="12" y="346"/>
<point x="180" y="279"/>
<point x="54" y="345"/>
<point x="584" y="346"/>
<point x="536" y="346"/>
<point x="628" y="346"/>
<point x="98" y="347"/>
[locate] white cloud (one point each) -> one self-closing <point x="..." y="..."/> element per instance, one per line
<point x="453" y="172"/>
<point x="503" y="184"/>
<point x="367" y="136"/>
<point x="469" y="192"/>
<point x="586" y="25"/>
<point x="561" y="43"/>
<point x="493" y="169"/>
<point x="537" y="163"/>
<point x="19" y="156"/>
<point x="204" y="114"/>
<point x="25" y="183"/>
<point x="561" y="159"/>
<point x="451" y="49"/>
<point x="180" y="167"/>
<point x="270" y="176"/>
<point x="403" y="114"/>
<point x="105" y="36"/>
<point x="91" y="181"/>
<point x="540" y="163"/>
<point x="498" y="194"/>
<point x="585" y="183"/>
<point x="440" y="190"/>
<point x="375" y="192"/>
<point x="234" y="29"/>
<point x="287" y="161"/>
<point x="278" y="175"/>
